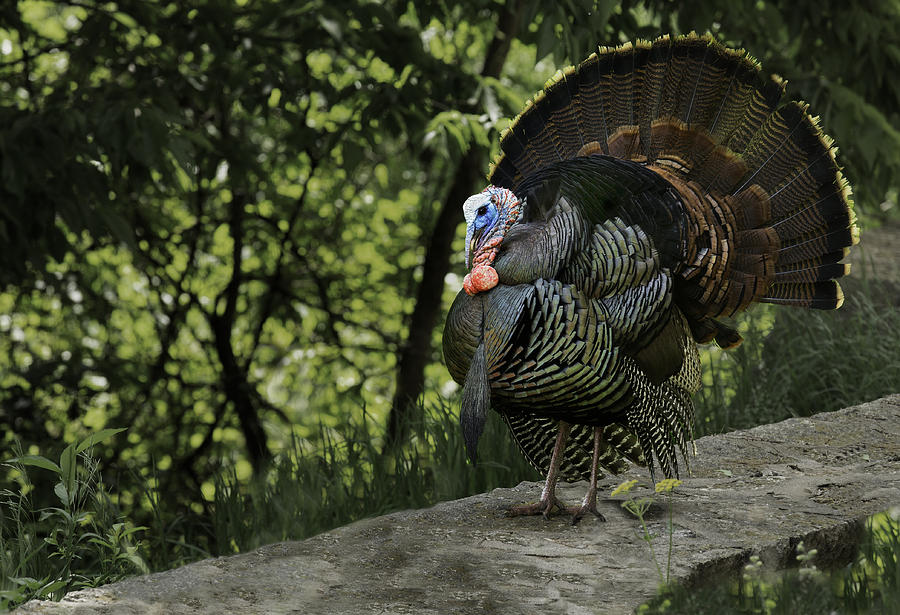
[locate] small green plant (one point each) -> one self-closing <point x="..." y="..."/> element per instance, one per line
<point x="873" y="581"/>
<point x="869" y="585"/>
<point x="80" y="543"/>
<point x="638" y="506"/>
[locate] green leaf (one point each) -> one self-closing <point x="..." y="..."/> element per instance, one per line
<point x="51" y="587"/>
<point x="546" y="40"/>
<point x="96" y="438"/>
<point x="331" y="26"/>
<point x="62" y="493"/>
<point x="36" y="461"/>
<point x="508" y="96"/>
<point x="101" y="542"/>
<point x="138" y="562"/>
<point x="67" y="464"/>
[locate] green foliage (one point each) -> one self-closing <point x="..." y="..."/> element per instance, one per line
<point x="250" y="231"/>
<point x="82" y="542"/>
<point x="873" y="582"/>
<point x="869" y="584"/>
<point x="798" y="363"/>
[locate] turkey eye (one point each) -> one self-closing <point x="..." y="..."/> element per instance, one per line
<point x="482" y="210"/>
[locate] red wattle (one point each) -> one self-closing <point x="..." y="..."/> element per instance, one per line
<point x="481" y="278"/>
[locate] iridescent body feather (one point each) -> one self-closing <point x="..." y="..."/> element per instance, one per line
<point x="644" y="198"/>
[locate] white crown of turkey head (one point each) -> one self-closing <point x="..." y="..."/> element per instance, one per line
<point x="470" y="211"/>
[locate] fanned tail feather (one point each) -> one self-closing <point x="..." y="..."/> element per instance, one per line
<point x="768" y="212"/>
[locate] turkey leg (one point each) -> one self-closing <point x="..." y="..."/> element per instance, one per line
<point x="548" y="499"/>
<point x="589" y="504"/>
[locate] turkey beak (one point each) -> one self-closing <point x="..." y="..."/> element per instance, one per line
<point x="473" y="239"/>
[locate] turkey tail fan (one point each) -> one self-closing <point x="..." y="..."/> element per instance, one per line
<point x="641" y="102"/>
<point x="768" y="215"/>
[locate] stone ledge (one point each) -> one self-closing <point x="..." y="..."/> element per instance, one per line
<point x="813" y="478"/>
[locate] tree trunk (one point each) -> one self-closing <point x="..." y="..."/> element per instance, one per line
<point x="238" y="393"/>
<point x="234" y="379"/>
<point x="416" y="353"/>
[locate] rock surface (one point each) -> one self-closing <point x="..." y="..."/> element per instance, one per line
<point x="757" y="491"/>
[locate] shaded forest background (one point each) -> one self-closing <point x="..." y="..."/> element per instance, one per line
<point x="233" y="227"/>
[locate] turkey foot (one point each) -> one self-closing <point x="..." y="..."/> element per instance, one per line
<point x="589" y="505"/>
<point x="544" y="507"/>
<point x="548" y="500"/>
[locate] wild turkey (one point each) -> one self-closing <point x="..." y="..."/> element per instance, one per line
<point x="641" y="200"/>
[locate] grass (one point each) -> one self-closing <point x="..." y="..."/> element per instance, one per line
<point x="310" y="491"/>
<point x="84" y="541"/>
<point x="799" y="362"/>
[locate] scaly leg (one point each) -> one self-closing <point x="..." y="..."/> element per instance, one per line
<point x="548" y="500"/>
<point x="590" y="499"/>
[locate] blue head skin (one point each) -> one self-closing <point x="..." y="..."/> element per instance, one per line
<point x="488" y="215"/>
